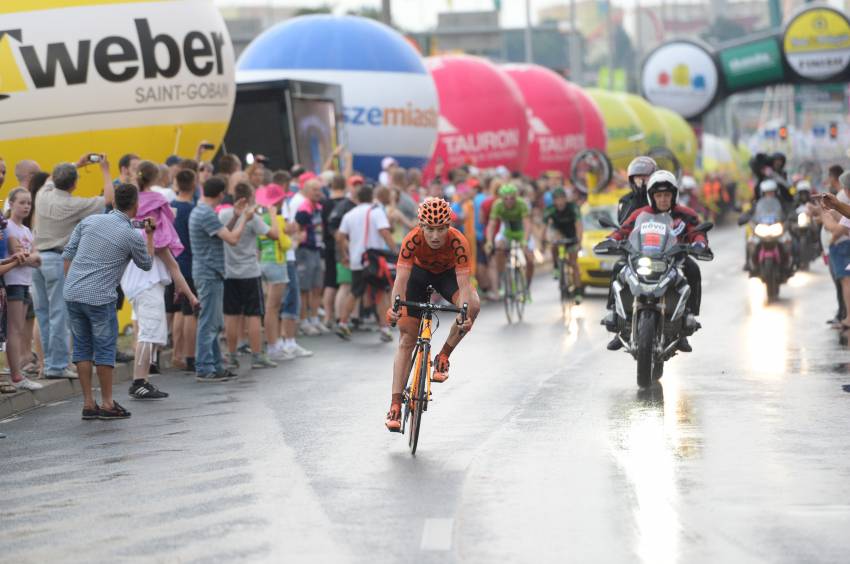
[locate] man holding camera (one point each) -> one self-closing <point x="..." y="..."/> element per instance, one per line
<point x="96" y="256"/>
<point x="57" y="213"/>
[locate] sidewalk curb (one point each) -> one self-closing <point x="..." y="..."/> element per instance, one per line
<point x="12" y="405"/>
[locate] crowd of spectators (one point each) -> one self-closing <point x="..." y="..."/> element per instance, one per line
<point x="228" y="267"/>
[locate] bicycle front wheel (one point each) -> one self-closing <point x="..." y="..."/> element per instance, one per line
<point x="508" y="293"/>
<point x="419" y="397"/>
<point x="521" y="296"/>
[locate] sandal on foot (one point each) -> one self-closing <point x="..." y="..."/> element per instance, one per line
<point x="7" y="387"/>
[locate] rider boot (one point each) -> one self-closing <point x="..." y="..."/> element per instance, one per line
<point x="615" y="344"/>
<point x="683" y="345"/>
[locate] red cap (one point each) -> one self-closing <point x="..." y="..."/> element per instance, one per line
<point x="270" y="195"/>
<point x="304" y="178"/>
<point x="355" y="179"/>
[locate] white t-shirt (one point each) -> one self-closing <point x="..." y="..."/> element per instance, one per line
<point x="20" y="275"/>
<point x="135" y="280"/>
<point x="288" y="211"/>
<point x="354" y="226"/>
<point x="166" y="191"/>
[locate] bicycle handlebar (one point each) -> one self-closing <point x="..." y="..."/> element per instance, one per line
<point x="428" y="306"/>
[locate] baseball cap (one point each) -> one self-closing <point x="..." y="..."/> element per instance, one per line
<point x="306" y="177"/>
<point x="172" y="160"/>
<point x="355" y="179"/>
<point x="270" y="194"/>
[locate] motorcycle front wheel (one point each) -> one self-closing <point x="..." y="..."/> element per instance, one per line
<point x="645" y="347"/>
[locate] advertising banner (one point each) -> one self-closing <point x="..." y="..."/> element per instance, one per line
<point x="752" y="64"/>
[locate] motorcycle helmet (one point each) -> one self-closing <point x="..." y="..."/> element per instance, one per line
<point x="688" y="183"/>
<point x="661" y="181"/>
<point x="804" y="186"/>
<point x="641" y="166"/>
<point x="778" y="157"/>
<point x="768" y="185"/>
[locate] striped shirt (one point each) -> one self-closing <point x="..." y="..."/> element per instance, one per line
<point x="100" y="248"/>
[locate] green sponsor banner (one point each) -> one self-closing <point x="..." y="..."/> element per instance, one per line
<point x="752" y="64"/>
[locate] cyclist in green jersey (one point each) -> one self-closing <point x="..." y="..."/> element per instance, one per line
<point x="510" y="220"/>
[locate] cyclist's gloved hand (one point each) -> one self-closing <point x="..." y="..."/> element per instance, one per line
<point x="465" y="326"/>
<point x="393" y="316"/>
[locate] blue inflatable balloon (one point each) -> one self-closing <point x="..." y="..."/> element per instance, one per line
<point x="390" y="100"/>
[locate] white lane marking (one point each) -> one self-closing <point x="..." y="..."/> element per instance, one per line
<point x="437" y="534"/>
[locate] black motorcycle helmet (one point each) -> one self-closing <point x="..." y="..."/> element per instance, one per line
<point x="758" y="162"/>
<point x="641" y="166"/>
<point x="662" y="181"/>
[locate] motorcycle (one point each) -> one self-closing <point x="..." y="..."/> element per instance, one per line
<point x="807" y="238"/>
<point x="769" y="248"/>
<point x="651" y="292"/>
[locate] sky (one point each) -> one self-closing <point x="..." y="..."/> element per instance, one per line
<point x="417" y="15"/>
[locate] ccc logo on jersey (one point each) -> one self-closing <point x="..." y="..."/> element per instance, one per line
<point x="459" y="250"/>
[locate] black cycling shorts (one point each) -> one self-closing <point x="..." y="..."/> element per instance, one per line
<point x="244" y="296"/>
<point x="444" y="284"/>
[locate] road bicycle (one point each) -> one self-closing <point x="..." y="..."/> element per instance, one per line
<point x="566" y="277"/>
<point x="418" y="392"/>
<point x="514" y="284"/>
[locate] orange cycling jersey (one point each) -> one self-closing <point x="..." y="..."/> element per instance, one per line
<point x="454" y="254"/>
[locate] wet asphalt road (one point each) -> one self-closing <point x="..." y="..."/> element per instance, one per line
<point x="538" y="449"/>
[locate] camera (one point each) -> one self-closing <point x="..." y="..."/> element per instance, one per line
<point x="207" y="146"/>
<point x="93" y="158"/>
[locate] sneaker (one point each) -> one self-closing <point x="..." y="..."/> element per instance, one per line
<point x="228" y="374"/>
<point x="211" y="377"/>
<point x="260" y="360"/>
<point x="308" y="329"/>
<point x="67" y="373"/>
<point x="123" y="357"/>
<point x="117" y="412"/>
<point x="27" y="384"/>
<point x="244" y="348"/>
<point x="386" y="335"/>
<point x="282" y="354"/>
<point x="344" y="332"/>
<point x="90" y="414"/>
<point x="146" y="391"/>
<point x="321" y="328"/>
<point x="441" y="368"/>
<point x="299" y="351"/>
<point x="232" y="362"/>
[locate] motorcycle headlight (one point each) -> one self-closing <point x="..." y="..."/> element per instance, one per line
<point x="803" y="220"/>
<point x="764" y="230"/>
<point x="644" y="270"/>
<point x="644" y="262"/>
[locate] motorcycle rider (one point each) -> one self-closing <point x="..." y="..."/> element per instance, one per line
<point x="639" y="171"/>
<point x="806" y="231"/>
<point x="762" y="166"/>
<point x="662" y="191"/>
<point x="768" y="206"/>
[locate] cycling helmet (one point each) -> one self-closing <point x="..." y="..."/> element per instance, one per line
<point x="641" y="166"/>
<point x="435" y="212"/>
<point x="688" y="183"/>
<point x="661" y="181"/>
<point x="768" y="185"/>
<point x="508" y="190"/>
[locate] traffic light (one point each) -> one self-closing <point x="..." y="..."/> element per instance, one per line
<point x="783" y="132"/>
<point x="833" y="130"/>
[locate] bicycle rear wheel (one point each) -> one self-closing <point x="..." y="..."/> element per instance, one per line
<point x="419" y="398"/>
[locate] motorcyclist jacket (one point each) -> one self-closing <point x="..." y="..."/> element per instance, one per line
<point x="685" y="222"/>
<point x="629" y="203"/>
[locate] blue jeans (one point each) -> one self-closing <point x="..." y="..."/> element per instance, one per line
<point x="95" y="331"/>
<point x="210" y="322"/>
<point x="291" y="306"/>
<point x="48" y="281"/>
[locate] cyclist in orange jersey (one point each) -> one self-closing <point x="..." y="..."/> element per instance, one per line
<point x="433" y="254"/>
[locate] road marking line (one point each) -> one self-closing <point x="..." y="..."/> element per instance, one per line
<point x="437" y="534"/>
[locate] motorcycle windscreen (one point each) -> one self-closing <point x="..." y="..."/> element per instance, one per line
<point x="768" y="210"/>
<point x="653" y="234"/>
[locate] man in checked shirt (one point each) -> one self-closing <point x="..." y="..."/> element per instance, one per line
<point x="99" y="250"/>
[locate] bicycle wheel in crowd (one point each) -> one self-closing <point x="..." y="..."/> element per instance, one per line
<point x="591" y="171"/>
<point x="420" y="397"/>
<point x="508" y="293"/>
